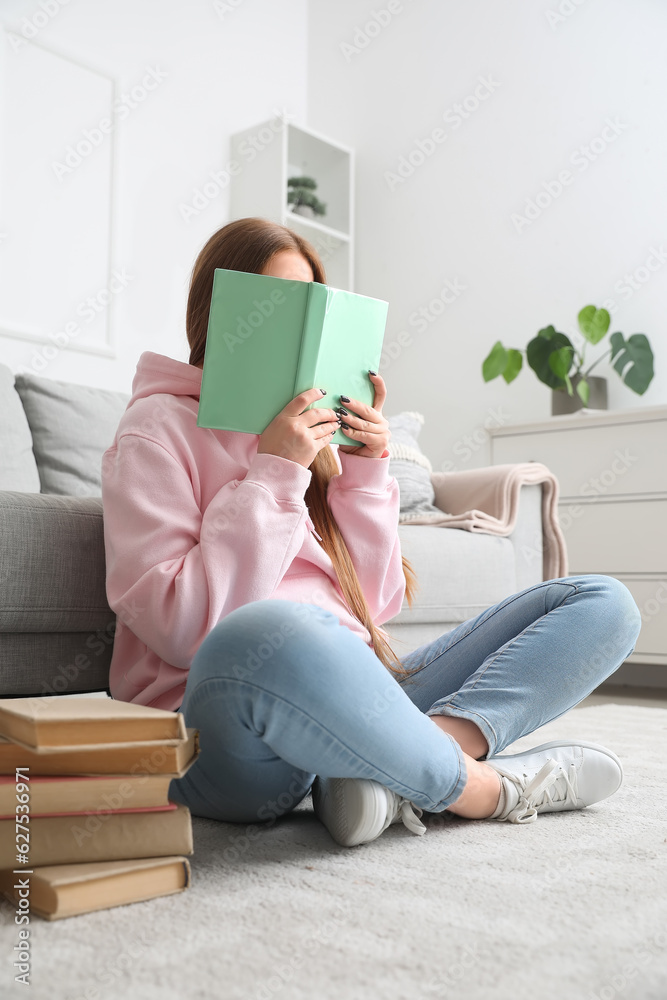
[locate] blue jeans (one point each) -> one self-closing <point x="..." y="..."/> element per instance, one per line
<point x="281" y="692"/>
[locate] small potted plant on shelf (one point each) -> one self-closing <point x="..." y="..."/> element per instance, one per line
<point x="559" y="364"/>
<point x="302" y="198"/>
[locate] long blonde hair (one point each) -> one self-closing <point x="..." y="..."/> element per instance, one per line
<point x="248" y="245"/>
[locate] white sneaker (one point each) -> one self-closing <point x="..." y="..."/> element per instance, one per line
<point x="357" y="810"/>
<point x="553" y="777"/>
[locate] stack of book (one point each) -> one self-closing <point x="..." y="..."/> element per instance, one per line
<point x="85" y="814"/>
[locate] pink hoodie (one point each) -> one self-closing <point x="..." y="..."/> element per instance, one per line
<point x="196" y="524"/>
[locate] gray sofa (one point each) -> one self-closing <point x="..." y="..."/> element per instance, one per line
<point x="56" y="627"/>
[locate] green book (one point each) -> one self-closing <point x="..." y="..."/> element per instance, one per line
<point x="271" y="338"/>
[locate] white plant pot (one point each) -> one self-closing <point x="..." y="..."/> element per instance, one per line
<point x="304" y="210"/>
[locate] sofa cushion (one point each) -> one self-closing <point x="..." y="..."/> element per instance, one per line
<point x="72" y="426"/>
<point x="410" y="467"/>
<point x="459" y="573"/>
<point x="52" y="573"/>
<point x="18" y="468"/>
<point x="49" y="663"/>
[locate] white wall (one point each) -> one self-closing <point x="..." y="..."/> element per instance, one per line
<point x="231" y="63"/>
<point x="556" y="80"/>
<point x="228" y="65"/>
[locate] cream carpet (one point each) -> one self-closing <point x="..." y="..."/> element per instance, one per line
<point x="573" y="906"/>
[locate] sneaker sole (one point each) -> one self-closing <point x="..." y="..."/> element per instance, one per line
<point x="336" y="809"/>
<point x="567" y="743"/>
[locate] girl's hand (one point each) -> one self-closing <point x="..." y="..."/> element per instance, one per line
<point x="299" y="434"/>
<point x="369" y="427"/>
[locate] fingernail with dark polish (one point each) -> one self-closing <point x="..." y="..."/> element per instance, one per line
<point x="345" y="427"/>
<point x="371" y="373"/>
<point x="323" y="391"/>
<point x="345" y="399"/>
<point x="341" y="409"/>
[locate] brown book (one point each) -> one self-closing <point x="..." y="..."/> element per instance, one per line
<point x="114" y="836"/>
<point x="41" y="724"/>
<point x="57" y="794"/>
<point x="59" y="891"/>
<point x="145" y="757"/>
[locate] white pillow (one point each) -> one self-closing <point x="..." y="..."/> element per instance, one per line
<point x="410" y="467"/>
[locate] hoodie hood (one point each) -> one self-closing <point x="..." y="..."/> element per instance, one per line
<point x="158" y="373"/>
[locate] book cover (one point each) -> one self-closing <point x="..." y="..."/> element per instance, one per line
<point x="40" y="724"/>
<point x="82" y="815"/>
<point x="78" y="793"/>
<point x="172" y="757"/>
<point x="58" y="891"/>
<point x="271" y="338"/>
<point x="114" y="836"/>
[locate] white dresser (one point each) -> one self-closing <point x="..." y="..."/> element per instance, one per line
<point x="612" y="471"/>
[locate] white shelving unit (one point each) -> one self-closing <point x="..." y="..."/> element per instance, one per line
<point x="271" y="152"/>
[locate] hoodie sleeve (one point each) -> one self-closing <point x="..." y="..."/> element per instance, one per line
<point x="365" y="501"/>
<point x="181" y="571"/>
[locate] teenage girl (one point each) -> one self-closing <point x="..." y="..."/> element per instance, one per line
<point x="251" y="575"/>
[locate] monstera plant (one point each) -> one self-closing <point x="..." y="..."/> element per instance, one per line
<point x="560" y="364"/>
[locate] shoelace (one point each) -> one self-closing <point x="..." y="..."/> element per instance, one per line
<point x="551" y="784"/>
<point x="409" y="815"/>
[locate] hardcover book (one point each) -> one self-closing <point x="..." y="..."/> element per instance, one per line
<point x="58" y="891"/>
<point x="58" y="794"/>
<point x="41" y="724"/>
<point x="112" y="836"/>
<point x="271" y="338"/>
<point x="173" y="757"/>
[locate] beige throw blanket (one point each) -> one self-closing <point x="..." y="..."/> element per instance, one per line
<point x="487" y="500"/>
